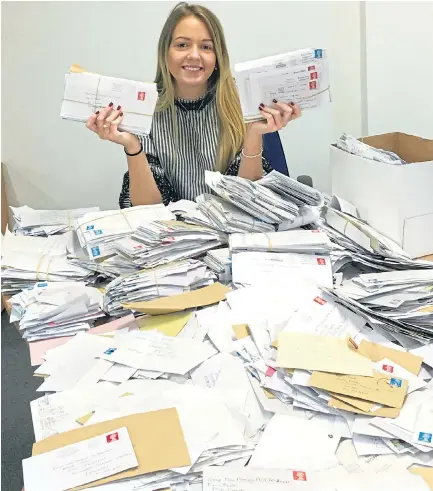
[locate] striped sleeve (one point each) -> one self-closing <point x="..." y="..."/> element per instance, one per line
<point x="147" y="144"/>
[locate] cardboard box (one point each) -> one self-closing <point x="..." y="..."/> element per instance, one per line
<point x="397" y="200"/>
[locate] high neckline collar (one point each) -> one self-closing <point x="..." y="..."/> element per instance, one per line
<point x="194" y="104"/>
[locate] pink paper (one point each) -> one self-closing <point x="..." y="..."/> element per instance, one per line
<point x="39" y="348"/>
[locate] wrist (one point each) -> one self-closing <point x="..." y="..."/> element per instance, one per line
<point x="132" y="146"/>
<point x="253" y="141"/>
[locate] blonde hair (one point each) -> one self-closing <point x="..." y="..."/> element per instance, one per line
<point x="231" y="124"/>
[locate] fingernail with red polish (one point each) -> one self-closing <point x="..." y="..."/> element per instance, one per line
<point x="110" y="105"/>
<point x="121" y="114"/>
<point x="119" y="107"/>
<point x="274" y="101"/>
<point x="291" y="103"/>
<point x="261" y="105"/>
<point x="97" y="112"/>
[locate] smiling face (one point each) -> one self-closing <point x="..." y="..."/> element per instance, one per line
<point x="191" y="57"/>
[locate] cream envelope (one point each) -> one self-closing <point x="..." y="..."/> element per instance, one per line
<point x="321" y="353"/>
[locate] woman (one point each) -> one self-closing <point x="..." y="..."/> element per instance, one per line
<point x="198" y="122"/>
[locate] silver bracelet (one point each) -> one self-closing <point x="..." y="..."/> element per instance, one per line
<point x="251" y="156"/>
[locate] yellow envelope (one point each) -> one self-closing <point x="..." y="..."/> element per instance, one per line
<point x="156" y="436"/>
<point x="384" y="412"/>
<point x="383" y="389"/>
<point x="169" y="324"/>
<point x="353" y="401"/>
<point x="377" y="352"/>
<point x="177" y="303"/>
<point x="241" y="331"/>
<point x="425" y="472"/>
<point x="321" y="353"/>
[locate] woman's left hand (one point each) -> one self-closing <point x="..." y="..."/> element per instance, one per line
<point x="276" y="117"/>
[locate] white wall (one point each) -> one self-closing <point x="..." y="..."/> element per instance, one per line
<point x="52" y="163"/>
<point x="399" y="42"/>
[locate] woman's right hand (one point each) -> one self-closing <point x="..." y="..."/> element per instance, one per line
<point x="106" y="123"/>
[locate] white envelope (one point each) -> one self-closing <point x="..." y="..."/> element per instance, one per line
<point x="80" y="463"/>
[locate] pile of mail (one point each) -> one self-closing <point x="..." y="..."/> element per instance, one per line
<point x="163" y="281"/>
<point x="259" y="201"/>
<point x="98" y="232"/>
<point x="110" y="267"/>
<point x="226" y="217"/>
<point x="365" y="245"/>
<point x="46" y="222"/>
<point x="239" y="380"/>
<point x="56" y="309"/>
<point x="308" y="215"/>
<point x="300" y="76"/>
<point x="160" y="242"/>
<point x="219" y="261"/>
<point x="26" y="260"/>
<point x="292" y="190"/>
<point x="85" y="93"/>
<point x="352" y="145"/>
<point x="399" y="302"/>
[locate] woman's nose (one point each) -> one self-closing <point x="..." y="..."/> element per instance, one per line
<point x="194" y="52"/>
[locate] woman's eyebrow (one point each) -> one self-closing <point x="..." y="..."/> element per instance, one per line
<point x="189" y="39"/>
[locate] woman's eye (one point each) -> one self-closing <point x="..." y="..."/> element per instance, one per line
<point x="181" y="45"/>
<point x="207" y="47"/>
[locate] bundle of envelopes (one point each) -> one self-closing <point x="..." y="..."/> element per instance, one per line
<point x="367" y="247"/>
<point x="219" y="261"/>
<point x="300" y="76"/>
<point x="188" y="212"/>
<point x="161" y="242"/>
<point x="162" y="281"/>
<point x="109" y="267"/>
<point x="218" y="396"/>
<point x="301" y="241"/>
<point x="259" y="201"/>
<point x="56" y="309"/>
<point x="85" y="93"/>
<point x="46" y="222"/>
<point x="308" y="215"/>
<point x="292" y="190"/>
<point x="28" y="259"/>
<point x="401" y="302"/>
<point x="98" y="232"/>
<point x="228" y="218"/>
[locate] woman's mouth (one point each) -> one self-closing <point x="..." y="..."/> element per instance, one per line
<point x="192" y="68"/>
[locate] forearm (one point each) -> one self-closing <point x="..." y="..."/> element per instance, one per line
<point x="142" y="186"/>
<point x="251" y="167"/>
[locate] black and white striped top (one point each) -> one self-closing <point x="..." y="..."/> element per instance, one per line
<point x="179" y="172"/>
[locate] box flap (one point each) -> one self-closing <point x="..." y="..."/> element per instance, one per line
<point x="410" y="148"/>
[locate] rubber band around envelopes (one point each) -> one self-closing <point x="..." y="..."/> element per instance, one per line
<point x="119" y="212"/>
<point x="302" y="99"/>
<point x="38" y="267"/>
